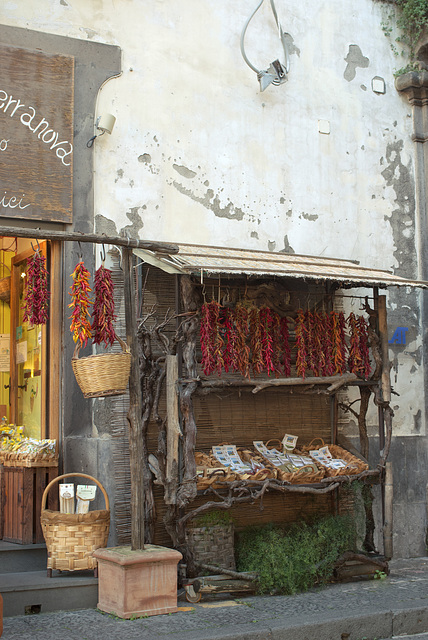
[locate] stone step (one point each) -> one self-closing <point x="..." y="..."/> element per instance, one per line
<point x="15" y="558"/>
<point x="30" y="592"/>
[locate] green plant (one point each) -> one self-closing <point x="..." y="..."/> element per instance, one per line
<point x="212" y="519"/>
<point x="411" y="19"/>
<point x="296" y="559"/>
<point x="380" y="575"/>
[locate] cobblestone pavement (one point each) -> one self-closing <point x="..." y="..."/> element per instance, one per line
<point x="369" y="610"/>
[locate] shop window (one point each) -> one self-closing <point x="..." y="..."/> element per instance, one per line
<point x="29" y="354"/>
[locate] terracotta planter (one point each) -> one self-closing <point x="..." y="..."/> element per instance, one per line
<point x="137" y="583"/>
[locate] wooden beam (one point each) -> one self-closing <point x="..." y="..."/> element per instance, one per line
<point x="75" y="236"/>
<point x="173" y="431"/>
<point x="134" y="414"/>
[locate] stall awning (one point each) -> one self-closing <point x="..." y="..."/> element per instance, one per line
<point x="199" y="259"/>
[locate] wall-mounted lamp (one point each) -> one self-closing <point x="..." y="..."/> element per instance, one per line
<point x="104" y="124"/>
<point x="277" y="72"/>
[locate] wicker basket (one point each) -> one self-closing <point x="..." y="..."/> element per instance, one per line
<point x="354" y="465"/>
<point x="212" y="545"/>
<point x="72" y="537"/>
<point x="104" y="374"/>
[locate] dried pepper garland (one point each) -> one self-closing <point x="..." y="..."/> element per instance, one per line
<point x="338" y="350"/>
<point x="37" y="295"/>
<point x="103" y="309"/>
<point x="269" y="325"/>
<point x="80" y="290"/>
<point x="242" y="350"/>
<point x="258" y="338"/>
<point x="301" y="343"/>
<point x="211" y="340"/>
<point x="285" y="354"/>
<point x="359" y="357"/>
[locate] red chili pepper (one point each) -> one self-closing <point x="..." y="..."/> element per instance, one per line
<point x="285" y="344"/>
<point x="210" y="337"/>
<point x="359" y="357"/>
<point x="301" y="342"/>
<point x="242" y="350"/>
<point x="103" y="315"/>
<point x="37" y="295"/>
<point x="80" y="289"/>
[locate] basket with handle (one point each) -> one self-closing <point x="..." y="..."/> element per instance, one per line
<point x="103" y="374"/>
<point x="72" y="537"/>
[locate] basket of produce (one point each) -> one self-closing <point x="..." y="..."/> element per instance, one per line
<point x="335" y="460"/>
<point x="104" y="374"/>
<point x="17" y="450"/>
<point x="72" y="537"/>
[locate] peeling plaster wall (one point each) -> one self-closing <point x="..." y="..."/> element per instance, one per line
<point x="199" y="155"/>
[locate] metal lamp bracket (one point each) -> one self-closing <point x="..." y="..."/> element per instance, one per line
<point x="277" y="72"/>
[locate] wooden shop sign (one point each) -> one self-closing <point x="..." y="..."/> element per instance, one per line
<point x="36" y="135"/>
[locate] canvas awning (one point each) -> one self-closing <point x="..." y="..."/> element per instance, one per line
<point x="199" y="260"/>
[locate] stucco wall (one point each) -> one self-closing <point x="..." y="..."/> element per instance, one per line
<point x="199" y="155"/>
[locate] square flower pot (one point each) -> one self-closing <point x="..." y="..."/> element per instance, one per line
<point x="137" y="583"/>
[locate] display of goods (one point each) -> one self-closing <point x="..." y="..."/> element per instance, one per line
<point x="36" y="302"/>
<point x="340" y="462"/>
<point x="103" y="310"/>
<point x="19" y="450"/>
<point x="249" y="338"/>
<point x="80" y="290"/>
<point x="11" y="436"/>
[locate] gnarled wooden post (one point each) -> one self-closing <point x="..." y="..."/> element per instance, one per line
<point x="134" y="414"/>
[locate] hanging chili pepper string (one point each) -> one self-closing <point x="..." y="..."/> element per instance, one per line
<point x="266" y="340"/>
<point x="229" y="339"/>
<point x="277" y="342"/>
<point x="242" y="349"/>
<point x="206" y="340"/>
<point x="364" y="347"/>
<point x="80" y="290"/>
<point x="103" y="315"/>
<point x="256" y="340"/>
<point x="286" y="351"/>
<point x="36" y="303"/>
<point x="211" y="340"/>
<point x="301" y="343"/>
<point x="338" y="345"/>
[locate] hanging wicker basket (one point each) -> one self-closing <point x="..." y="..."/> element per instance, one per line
<point x="104" y="374"/>
<point x="72" y="537"/>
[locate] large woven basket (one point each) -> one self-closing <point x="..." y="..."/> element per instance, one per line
<point x="72" y="537"/>
<point x="104" y="374"/>
<point x="212" y="545"/>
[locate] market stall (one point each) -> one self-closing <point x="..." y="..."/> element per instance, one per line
<point x="259" y="352"/>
